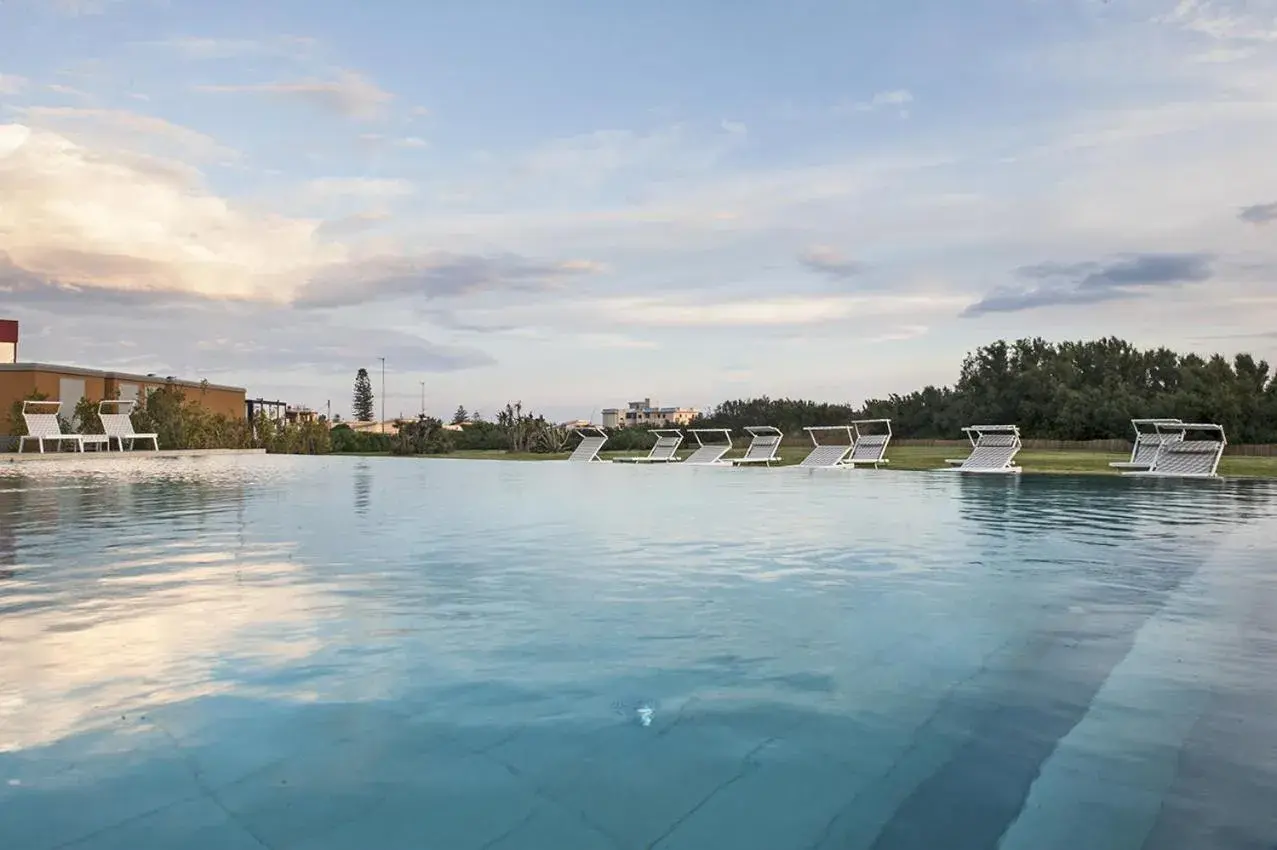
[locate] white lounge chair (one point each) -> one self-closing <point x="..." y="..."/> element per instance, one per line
<point x="665" y="451"/>
<point x="592" y="440"/>
<point x="993" y="448"/>
<point x="1149" y="437"/>
<point x="763" y="446"/>
<point x="828" y="455"/>
<point x="709" y="453"/>
<point x="118" y="426"/>
<point x="870" y="446"/>
<point x="1195" y="454"/>
<point x="43" y="427"/>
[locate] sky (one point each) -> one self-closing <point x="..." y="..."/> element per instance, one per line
<point x="577" y="204"/>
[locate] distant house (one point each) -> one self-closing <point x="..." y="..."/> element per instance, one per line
<point x="642" y="413"/>
<point x="390" y="426"/>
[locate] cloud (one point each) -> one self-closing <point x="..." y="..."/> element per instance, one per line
<point x="69" y="91"/>
<point x="898" y="98"/>
<point x="437" y="275"/>
<point x="119" y="124"/>
<point x="358" y="187"/>
<point x="12" y="84"/>
<point x="352" y="224"/>
<point x="1226" y="20"/>
<point x="351" y="94"/>
<point x="1259" y="213"/>
<point x="763" y="312"/>
<point x="76" y="8"/>
<point x="378" y="140"/>
<point x="1059" y="284"/>
<point x="234" y="48"/>
<point x="80" y="218"/>
<point x="901" y="333"/>
<point x="231" y="341"/>
<point x="828" y="261"/>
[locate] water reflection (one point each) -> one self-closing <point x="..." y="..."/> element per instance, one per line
<point x="223" y="653"/>
<point x="362" y="477"/>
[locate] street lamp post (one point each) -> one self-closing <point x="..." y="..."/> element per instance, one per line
<point x="382" y="426"/>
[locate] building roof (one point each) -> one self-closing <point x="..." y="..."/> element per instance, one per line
<point x="98" y="373"/>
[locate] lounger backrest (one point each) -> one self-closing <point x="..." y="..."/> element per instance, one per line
<point x="1188" y="457"/>
<point x="588" y="448"/>
<point x="42" y="424"/>
<point x="1146" y="446"/>
<point x="706" y="454"/>
<point x="762" y="447"/>
<point x="117" y="424"/>
<point x="825" y="455"/>
<point x="992" y="451"/>
<point x="870" y="447"/>
<point x="665" y="448"/>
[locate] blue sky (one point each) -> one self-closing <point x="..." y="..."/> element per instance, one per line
<point x="579" y="203"/>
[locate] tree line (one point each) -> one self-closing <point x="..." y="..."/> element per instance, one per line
<point x="1063" y="391"/>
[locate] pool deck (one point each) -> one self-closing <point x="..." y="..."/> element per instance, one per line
<point x="37" y="457"/>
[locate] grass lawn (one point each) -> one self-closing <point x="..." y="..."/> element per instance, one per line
<point x="928" y="457"/>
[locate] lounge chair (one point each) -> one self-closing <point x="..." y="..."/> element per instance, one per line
<point x="118" y="426"/>
<point x="870" y="446"/>
<point x="993" y="448"/>
<point x="709" y="453"/>
<point x="44" y="428"/>
<point x="828" y="455"/>
<point x="763" y="446"/>
<point x="1195" y="454"/>
<point x="665" y="451"/>
<point x="1149" y="436"/>
<point x="592" y="439"/>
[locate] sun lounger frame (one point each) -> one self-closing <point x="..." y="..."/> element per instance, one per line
<point x="828" y="455"/>
<point x="593" y="439"/>
<point x="709" y="453"/>
<point x="44" y="427"/>
<point x="985" y="454"/>
<point x="118" y="425"/>
<point x="1187" y="457"/>
<point x="870" y="446"/>
<point x="665" y="450"/>
<point x="763" y="445"/>
<point x="1149" y="436"/>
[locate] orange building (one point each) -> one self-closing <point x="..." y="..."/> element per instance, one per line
<point x="69" y="384"/>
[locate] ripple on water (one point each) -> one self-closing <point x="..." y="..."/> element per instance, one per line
<point x="337" y="652"/>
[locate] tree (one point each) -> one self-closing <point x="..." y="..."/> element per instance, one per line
<point x="460" y="417"/>
<point x="362" y="404"/>
<point x="1072" y="390"/>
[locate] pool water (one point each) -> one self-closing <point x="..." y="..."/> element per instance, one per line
<point x="301" y="653"/>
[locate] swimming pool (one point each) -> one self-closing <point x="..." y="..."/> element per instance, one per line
<point x="389" y="653"/>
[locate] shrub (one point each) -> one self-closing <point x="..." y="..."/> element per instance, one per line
<point x="425" y="436"/>
<point x="345" y="439"/>
<point x="18" y="425"/>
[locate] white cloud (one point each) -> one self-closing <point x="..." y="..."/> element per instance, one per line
<point x="117" y="124"/>
<point x="359" y="187"/>
<point x="1226" y="20"/>
<point x="73" y="216"/>
<point x="351" y="94"/>
<point x="58" y="88"/>
<point x="232" y="48"/>
<point x="762" y="312"/>
<point x="898" y="98"/>
<point x="12" y="84"/>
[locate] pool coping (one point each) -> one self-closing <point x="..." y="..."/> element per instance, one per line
<point x="64" y="456"/>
